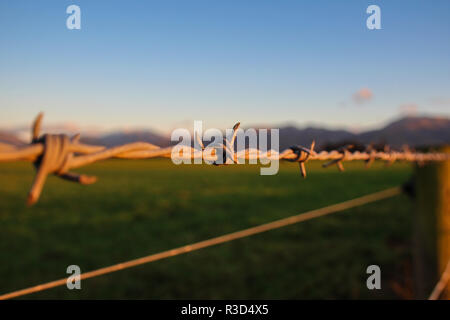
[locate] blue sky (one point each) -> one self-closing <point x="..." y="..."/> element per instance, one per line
<point x="163" y="64"/>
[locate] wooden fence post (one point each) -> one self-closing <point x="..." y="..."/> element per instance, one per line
<point x="431" y="226"/>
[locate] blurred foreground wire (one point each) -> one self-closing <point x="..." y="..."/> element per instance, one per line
<point x="215" y="241"/>
<point x="442" y="284"/>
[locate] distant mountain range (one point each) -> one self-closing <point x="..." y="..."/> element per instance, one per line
<point x="118" y="138"/>
<point x="412" y="131"/>
<point x="10" y="138"/>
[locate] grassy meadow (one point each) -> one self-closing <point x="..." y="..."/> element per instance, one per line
<point x="145" y="206"/>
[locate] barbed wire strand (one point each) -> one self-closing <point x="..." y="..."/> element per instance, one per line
<point x="57" y="154"/>
<point x="442" y="284"/>
<point x="387" y="193"/>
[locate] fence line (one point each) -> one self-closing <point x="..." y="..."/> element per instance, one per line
<point x="387" y="193"/>
<point x="55" y="154"/>
<point x="442" y="283"/>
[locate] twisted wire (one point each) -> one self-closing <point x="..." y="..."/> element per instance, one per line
<point x="58" y="154"/>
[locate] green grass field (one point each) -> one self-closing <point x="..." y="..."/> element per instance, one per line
<point x="142" y="207"/>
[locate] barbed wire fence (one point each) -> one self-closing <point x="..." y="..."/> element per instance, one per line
<point x="58" y="154"/>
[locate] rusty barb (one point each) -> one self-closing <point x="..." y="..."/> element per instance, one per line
<point x="58" y="154"/>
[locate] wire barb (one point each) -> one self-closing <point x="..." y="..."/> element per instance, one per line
<point x="303" y="155"/>
<point x="58" y="154"/>
<point x="344" y="151"/>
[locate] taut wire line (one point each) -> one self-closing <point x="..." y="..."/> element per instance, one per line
<point x="215" y="241"/>
<point x="58" y="154"/>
